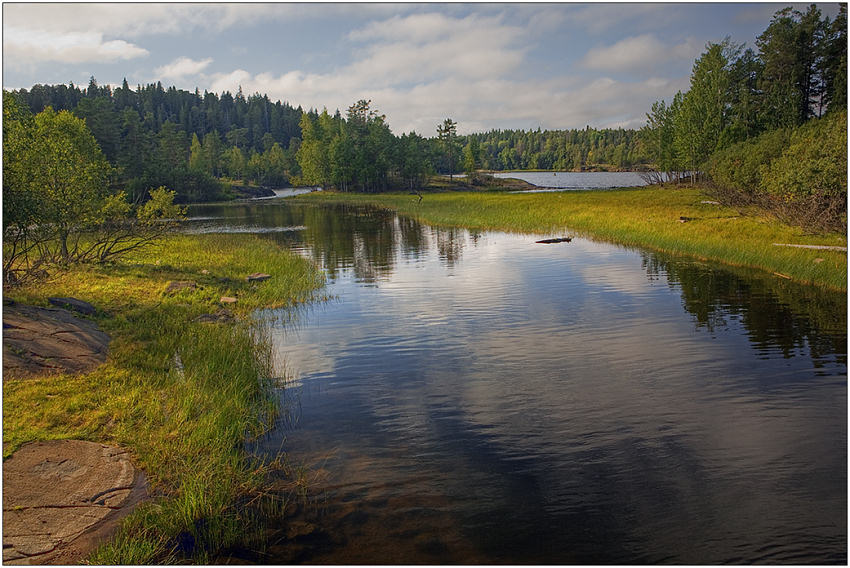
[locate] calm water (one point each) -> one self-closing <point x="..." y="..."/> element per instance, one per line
<point x="577" y="180"/>
<point x="479" y="398"/>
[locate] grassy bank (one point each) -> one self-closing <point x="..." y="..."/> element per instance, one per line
<point x="181" y="395"/>
<point x="646" y="217"/>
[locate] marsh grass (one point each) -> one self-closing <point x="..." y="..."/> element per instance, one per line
<point x="645" y="217"/>
<point x="182" y="396"/>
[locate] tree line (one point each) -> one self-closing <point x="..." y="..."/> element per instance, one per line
<point x="184" y="140"/>
<point x="192" y="142"/>
<point x="562" y="150"/>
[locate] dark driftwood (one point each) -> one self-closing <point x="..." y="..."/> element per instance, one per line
<point x="558" y="240"/>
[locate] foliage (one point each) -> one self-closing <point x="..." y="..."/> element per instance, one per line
<point x="359" y="152"/>
<point x="148" y="134"/>
<point x="120" y="232"/>
<point x="815" y="161"/>
<point x="565" y="150"/>
<point x="810" y="178"/>
<point x="55" y="162"/>
<point x="750" y="121"/>
<point x="701" y="117"/>
<point x="20" y="207"/>
<point x="58" y="206"/>
<point x="801" y="54"/>
<point x="658" y="137"/>
<point x="737" y="169"/>
<point x="447" y="136"/>
<point x="471" y="156"/>
<point x="797" y="174"/>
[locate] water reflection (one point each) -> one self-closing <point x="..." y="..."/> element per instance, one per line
<point x="372" y="242"/>
<point x="480" y="398"/>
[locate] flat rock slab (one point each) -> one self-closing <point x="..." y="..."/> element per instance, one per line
<point x="38" y="341"/>
<point x="61" y="497"/>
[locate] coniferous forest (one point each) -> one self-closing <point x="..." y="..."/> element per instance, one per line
<point x="192" y="141"/>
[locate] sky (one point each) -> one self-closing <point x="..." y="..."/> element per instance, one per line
<point x="485" y="65"/>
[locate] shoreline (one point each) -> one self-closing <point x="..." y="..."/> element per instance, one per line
<point x="671" y="219"/>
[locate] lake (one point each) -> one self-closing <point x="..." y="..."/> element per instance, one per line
<point x="475" y="397"/>
<point x="560" y="181"/>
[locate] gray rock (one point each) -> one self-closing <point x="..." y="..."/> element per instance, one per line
<point x="73" y="304"/>
<point x="177" y="285"/>
<point x="38" y="341"/>
<point x="221" y="316"/>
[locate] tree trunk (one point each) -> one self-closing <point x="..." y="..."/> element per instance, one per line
<point x="63" y="242"/>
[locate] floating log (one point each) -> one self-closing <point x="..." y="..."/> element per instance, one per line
<point x="558" y="240"/>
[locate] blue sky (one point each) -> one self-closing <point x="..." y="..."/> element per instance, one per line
<point x="493" y="65"/>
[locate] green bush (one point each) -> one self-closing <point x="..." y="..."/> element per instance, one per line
<point x="798" y="175"/>
<point x="738" y="167"/>
<point x="815" y="163"/>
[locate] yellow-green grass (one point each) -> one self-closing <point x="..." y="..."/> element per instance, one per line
<point x="184" y="426"/>
<point x="646" y="217"/>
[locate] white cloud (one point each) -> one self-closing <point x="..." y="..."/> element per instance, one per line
<point x="151" y="18"/>
<point x="417" y="68"/>
<point x="24" y="46"/>
<point x="182" y="67"/>
<point x="639" y="53"/>
<point x="479" y="103"/>
<point x="601" y="17"/>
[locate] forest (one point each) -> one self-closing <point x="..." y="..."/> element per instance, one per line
<point x="197" y="144"/>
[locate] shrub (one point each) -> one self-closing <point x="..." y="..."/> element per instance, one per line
<point x="815" y="162"/>
<point x="798" y="175"/>
<point x="738" y="167"/>
<point x="807" y="185"/>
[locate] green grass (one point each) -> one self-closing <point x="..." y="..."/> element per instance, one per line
<point x="185" y="427"/>
<point x="646" y="217"/>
